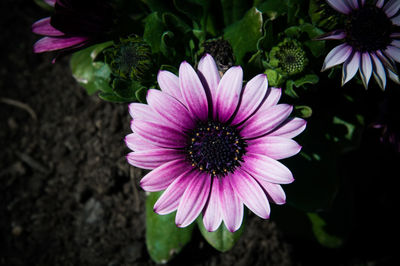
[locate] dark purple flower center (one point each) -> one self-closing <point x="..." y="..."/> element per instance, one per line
<point x="215" y="148"/>
<point x="368" y="29"/>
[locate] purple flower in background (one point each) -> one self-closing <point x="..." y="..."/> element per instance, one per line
<point x="213" y="146"/>
<point x="371" y="42"/>
<point x="74" y="24"/>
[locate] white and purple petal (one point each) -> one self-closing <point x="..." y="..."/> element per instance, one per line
<point x="169" y="200"/>
<point x="290" y="128"/>
<point x="160" y="134"/>
<point x="274" y="147"/>
<point x="336" y="56"/>
<point x="212" y="214"/>
<point x="46" y="44"/>
<point x="366" y="68"/>
<point x="379" y="71"/>
<point x="169" y="83"/>
<point x="274" y="192"/>
<point x="250" y="192"/>
<point x="43" y="27"/>
<point x="265" y="168"/>
<point x="228" y="94"/>
<point x="391" y="7"/>
<point x="264" y="121"/>
<point x="350" y="67"/>
<point x="252" y="96"/>
<point x="333" y="35"/>
<point x="193" y="199"/>
<point x="340" y="5"/>
<point x="231" y="205"/>
<point x="193" y="92"/>
<point x="209" y="74"/>
<point x="161" y="177"/>
<point x="170" y="109"/>
<point x="150" y="159"/>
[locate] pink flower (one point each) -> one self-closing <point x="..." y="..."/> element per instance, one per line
<point x="213" y="146"/>
<point x="371" y="40"/>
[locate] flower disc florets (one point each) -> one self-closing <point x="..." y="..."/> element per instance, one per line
<point x="130" y="58"/>
<point x="368" y="29"/>
<point x="215" y="148"/>
<point x="289" y="57"/>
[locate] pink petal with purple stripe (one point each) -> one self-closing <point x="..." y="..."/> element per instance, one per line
<point x="170" y="109"/>
<point x="264" y="121"/>
<point x="212" y="216"/>
<point x="274" y="192"/>
<point x="290" y="128"/>
<point x="169" y="200"/>
<point x="142" y="111"/>
<point x="193" y="92"/>
<point x="137" y="143"/>
<point x="161" y="177"/>
<point x="265" y="168"/>
<point x="228" y="93"/>
<point x="52" y="43"/>
<point x="250" y="192"/>
<point x="150" y="159"/>
<point x="169" y="83"/>
<point x="209" y="72"/>
<point x="231" y="205"/>
<point x="193" y="199"/>
<point x="252" y="96"/>
<point x="43" y="27"/>
<point x="160" y="134"/>
<point x="274" y="147"/>
<point x="336" y="56"/>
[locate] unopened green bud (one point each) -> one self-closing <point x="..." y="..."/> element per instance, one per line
<point x="130" y="58"/>
<point x="289" y="57"/>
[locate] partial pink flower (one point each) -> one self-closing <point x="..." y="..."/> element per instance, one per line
<point x="371" y="40"/>
<point x="212" y="145"/>
<point x="74" y="25"/>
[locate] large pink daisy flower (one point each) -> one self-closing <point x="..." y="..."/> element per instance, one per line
<point x="370" y="37"/>
<point x="213" y="146"/>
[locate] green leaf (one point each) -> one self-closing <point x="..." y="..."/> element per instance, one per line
<point x="111" y="97"/>
<point x="153" y="31"/>
<point x="43" y="5"/>
<point x="221" y="239"/>
<point x="163" y="238"/>
<point x="92" y="75"/>
<point x="166" y="49"/>
<point x="303" y="111"/>
<point x="141" y="94"/>
<point x="324" y="237"/>
<point x="317" y="47"/>
<point x="233" y="10"/>
<point x="126" y="89"/>
<point x="273" y="8"/>
<point x="274" y="78"/>
<point x="244" y="34"/>
<point x="307" y="79"/>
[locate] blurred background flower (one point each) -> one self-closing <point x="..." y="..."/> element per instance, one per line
<point x="371" y="44"/>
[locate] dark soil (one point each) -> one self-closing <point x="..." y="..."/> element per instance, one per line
<point x="67" y="194"/>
